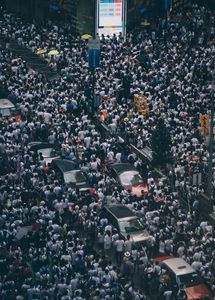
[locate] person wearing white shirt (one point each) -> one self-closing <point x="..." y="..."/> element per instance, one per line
<point x="167" y="295"/>
<point x="118" y="157"/>
<point x="128" y="244"/>
<point x="110" y="156"/>
<point x="119" y="250"/>
<point x="161" y="247"/>
<point x="107" y="243"/>
<point x="196" y="265"/>
<point x="108" y="228"/>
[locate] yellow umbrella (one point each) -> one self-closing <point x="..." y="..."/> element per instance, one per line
<point x="53" y="52"/>
<point x="41" y="51"/>
<point x="86" y="36"/>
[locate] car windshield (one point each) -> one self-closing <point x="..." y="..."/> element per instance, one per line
<point x="189" y="280"/>
<point x="5" y="112"/>
<point x="76" y="177"/>
<point x="47" y="152"/>
<point x="130" y="178"/>
<point x="131" y="226"/>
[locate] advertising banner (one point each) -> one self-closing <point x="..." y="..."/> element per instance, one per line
<point x="111" y="17"/>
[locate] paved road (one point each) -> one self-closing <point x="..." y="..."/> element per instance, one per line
<point x="33" y="60"/>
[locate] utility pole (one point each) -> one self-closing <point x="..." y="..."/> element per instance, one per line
<point x="93" y="70"/>
<point x="211" y="143"/>
<point x="94" y="58"/>
<point x="125" y="12"/>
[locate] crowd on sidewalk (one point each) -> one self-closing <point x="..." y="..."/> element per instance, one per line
<point x="70" y="251"/>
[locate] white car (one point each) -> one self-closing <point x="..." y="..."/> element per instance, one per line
<point x="46" y="150"/>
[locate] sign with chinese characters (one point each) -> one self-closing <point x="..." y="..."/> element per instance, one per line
<point x="111" y="17"/>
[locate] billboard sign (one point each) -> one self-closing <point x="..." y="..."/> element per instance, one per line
<point x="111" y="17"/>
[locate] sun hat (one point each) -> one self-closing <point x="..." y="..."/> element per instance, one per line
<point x="127" y="254"/>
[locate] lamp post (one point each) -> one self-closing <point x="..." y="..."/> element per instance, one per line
<point x="94" y="58"/>
<point x="93" y="69"/>
<point x="211" y="143"/>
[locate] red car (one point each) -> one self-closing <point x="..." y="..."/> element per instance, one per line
<point x="179" y="272"/>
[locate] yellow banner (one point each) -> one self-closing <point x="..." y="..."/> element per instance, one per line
<point x="141" y="104"/>
<point x="204" y="123"/>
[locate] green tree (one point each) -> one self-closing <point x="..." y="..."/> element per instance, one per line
<point x="161" y="144"/>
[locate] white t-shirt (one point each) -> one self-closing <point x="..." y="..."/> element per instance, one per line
<point x="119" y="245"/>
<point x="167" y="295"/>
<point x="161" y="247"/>
<point x="107" y="242"/>
<point x="128" y="245"/>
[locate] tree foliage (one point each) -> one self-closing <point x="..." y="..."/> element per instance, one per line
<point x="161" y="144"/>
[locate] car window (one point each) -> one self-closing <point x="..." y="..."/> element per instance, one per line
<point x="113" y="173"/>
<point x="47" y="152"/>
<point x="14" y="111"/>
<point x="80" y="177"/>
<point x="131" y="226"/>
<point x="5" y="112"/>
<point x="165" y="274"/>
<point x="112" y="220"/>
<point x="130" y="178"/>
<point x="189" y="280"/>
<point x="172" y="276"/>
<point x="75" y="176"/>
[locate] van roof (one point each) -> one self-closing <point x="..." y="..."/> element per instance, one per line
<point x="120" y="211"/>
<point x="65" y="165"/>
<point x="5" y="103"/>
<point x="179" y="266"/>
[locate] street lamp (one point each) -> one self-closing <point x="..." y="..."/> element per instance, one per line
<point x="211" y="143"/>
<point x="94" y="58"/>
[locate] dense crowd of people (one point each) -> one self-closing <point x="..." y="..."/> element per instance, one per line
<point x="54" y="243"/>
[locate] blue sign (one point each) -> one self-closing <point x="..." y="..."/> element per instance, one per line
<point x="94" y="58"/>
<point x="54" y="7"/>
<point x="167" y="4"/>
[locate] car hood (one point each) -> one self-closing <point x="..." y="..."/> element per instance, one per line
<point x="137" y="189"/>
<point x="48" y="160"/>
<point x="138" y="237"/>
<point x="199" y="291"/>
<point x="82" y="186"/>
